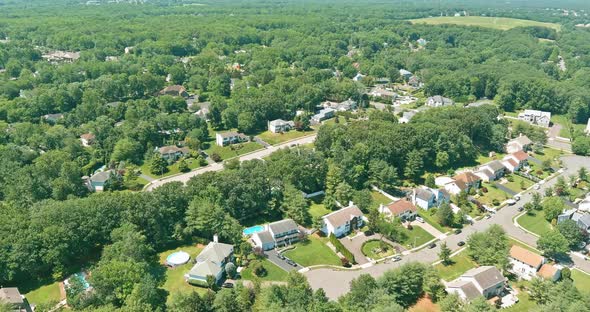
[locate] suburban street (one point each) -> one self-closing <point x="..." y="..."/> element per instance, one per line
<point x="185" y="177"/>
<point x="336" y="282"/>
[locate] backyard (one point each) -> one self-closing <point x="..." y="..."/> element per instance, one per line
<point x="416" y="237"/>
<point x="175" y="282"/>
<point x="373" y="249"/>
<point x="461" y="263"/>
<point x="566" y="124"/>
<point x="234" y="150"/>
<point x="273" y="272"/>
<point x="379" y="199"/>
<point x="313" y="251"/>
<point x="317" y="208"/>
<point x="524" y="300"/>
<point x="535" y="222"/>
<point x="44" y="295"/>
<point x="581" y="281"/>
<point x="277" y="138"/>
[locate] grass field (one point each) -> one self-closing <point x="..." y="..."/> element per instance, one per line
<point x="483" y="159"/>
<point x="500" y="23"/>
<point x="370" y="247"/>
<point x="317" y="208"/>
<point x="566" y="124"/>
<point x="276" y="138"/>
<point x="175" y="282"/>
<point x="431" y="219"/>
<point x="415" y="237"/>
<point x="461" y="263"/>
<point x="379" y="198"/>
<point x="581" y="281"/>
<point x="516" y="183"/>
<point x="45" y="294"/>
<point x="535" y="223"/>
<point x="172" y="169"/>
<point x="274" y="273"/>
<point x="314" y="251"/>
<point x="234" y="150"/>
<point x="493" y="193"/>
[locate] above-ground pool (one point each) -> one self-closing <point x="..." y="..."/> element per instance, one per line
<point x="177" y="258"/>
<point x="253" y="229"/>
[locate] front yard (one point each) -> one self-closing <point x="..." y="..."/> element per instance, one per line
<point x="174" y="282"/>
<point x="430" y="217"/>
<point x="277" y="138"/>
<point x="581" y="281"/>
<point x="493" y="193"/>
<point x="313" y="251"/>
<point x="192" y="163"/>
<point x="518" y="183"/>
<point x="374" y="249"/>
<point x="535" y="222"/>
<point x="233" y="150"/>
<point x="273" y="272"/>
<point x="461" y="264"/>
<point x="415" y="237"/>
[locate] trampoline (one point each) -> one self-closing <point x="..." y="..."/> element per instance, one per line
<point x="177" y="258"/>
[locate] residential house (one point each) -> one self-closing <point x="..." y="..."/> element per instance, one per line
<point x="279" y="126"/>
<point x="358" y="77"/>
<point x="456" y="187"/>
<point x="16" y="302"/>
<point x="439" y="101"/>
<point x="415" y="82"/>
<point x="203" y="111"/>
<point x="426" y="198"/>
<point x="422" y="42"/>
<point x="61" y="56"/>
<point x="515" y="161"/>
<point x="581" y="218"/>
<point x="343" y="221"/>
<point x="486" y="281"/>
<point x="470" y="179"/>
<point x="210" y="262"/>
<point x="172" y="152"/>
<point x="322" y="115"/>
<point x="87" y="139"/>
<point x="521" y="143"/>
<point x="98" y="180"/>
<point x="491" y="171"/>
<point x="525" y="263"/>
<point x="584" y="205"/>
<point x="566" y="215"/>
<point x="403" y="209"/>
<point x="175" y="90"/>
<point x="228" y="138"/>
<point x="535" y="117"/>
<point x="53" y="118"/>
<point x="550" y="272"/>
<point x="407" y="116"/>
<point x="276" y="234"/>
<point x="344" y="106"/>
<point x="588" y="127"/>
<point x="381" y="92"/>
<point x="405" y="74"/>
<point x="583" y="222"/>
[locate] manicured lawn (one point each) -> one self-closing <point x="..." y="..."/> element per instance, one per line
<point x="276" y="138"/>
<point x="484" y="159"/>
<point x="536" y="168"/>
<point x="314" y="251"/>
<point x="461" y="263"/>
<point x="516" y="183"/>
<point x="493" y="193"/>
<point x="415" y="237"/>
<point x="513" y="242"/>
<point x="274" y="273"/>
<point x="234" y="150"/>
<point x="175" y="282"/>
<point x="317" y="208"/>
<point x="372" y="249"/>
<point x="501" y="23"/>
<point x="566" y="124"/>
<point x="431" y="219"/>
<point x="535" y="223"/>
<point x="549" y="153"/>
<point x="581" y="281"/>
<point x="172" y="169"/>
<point x="379" y="198"/>
<point x="45" y="294"/>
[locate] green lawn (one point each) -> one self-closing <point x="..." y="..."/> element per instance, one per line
<point x="415" y="237"/>
<point x="493" y="193"/>
<point x="45" y="294"/>
<point x="461" y="264"/>
<point x="431" y="219"/>
<point x="314" y="251"/>
<point x="548" y="153"/>
<point x="175" y="282"/>
<point x="524" y="300"/>
<point x="277" y="138"/>
<point x="234" y="150"/>
<point x="317" y="208"/>
<point x="379" y="199"/>
<point x="516" y="183"/>
<point x="535" y="223"/>
<point x="500" y="23"/>
<point x="372" y="249"/>
<point x="274" y="273"/>
<point x="581" y="281"/>
<point x="484" y="159"/>
<point x="566" y="124"/>
<point x="172" y="169"/>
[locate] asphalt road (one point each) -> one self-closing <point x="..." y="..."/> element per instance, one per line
<point x="336" y="283"/>
<point x="185" y="177"/>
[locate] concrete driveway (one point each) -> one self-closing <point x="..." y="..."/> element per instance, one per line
<point x="273" y="256"/>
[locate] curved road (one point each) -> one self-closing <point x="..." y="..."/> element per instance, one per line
<point x="219" y="166"/>
<point x="337" y="282"/>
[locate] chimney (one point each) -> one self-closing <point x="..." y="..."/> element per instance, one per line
<point x="350" y="203"/>
<point x="215" y="238"/>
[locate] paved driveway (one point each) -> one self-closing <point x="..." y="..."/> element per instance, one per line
<point x="273" y="257"/>
<point x="505" y="189"/>
<point x="355" y="246"/>
<point x="336" y="283"/>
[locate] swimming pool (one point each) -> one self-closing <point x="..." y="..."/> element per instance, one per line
<point x="82" y="277"/>
<point x="253" y="229"/>
<point x="177" y="258"/>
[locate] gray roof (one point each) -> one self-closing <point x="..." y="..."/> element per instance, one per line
<point x="264" y="237"/>
<point x="486" y="276"/>
<point x="496" y="165"/>
<point x="283" y="226"/>
<point x="441" y="99"/>
<point x="585" y="219"/>
<point x="424" y="194"/>
<point x="280" y="122"/>
<point x="230" y="134"/>
<point x="11" y="295"/>
<point x="173" y="149"/>
<point x="522" y="140"/>
<point x="215" y="252"/>
<point x="102" y="176"/>
<point x="467" y="287"/>
<point x="340" y="217"/>
<point x="204" y="269"/>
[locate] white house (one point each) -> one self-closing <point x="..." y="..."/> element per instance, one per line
<point x="279" y="126"/>
<point x="322" y="115"/>
<point x="279" y="233"/>
<point x="228" y="138"/>
<point x="403" y="209"/>
<point x="343" y="221"/>
<point x="98" y="180"/>
<point x="172" y="152"/>
<point x="439" y="101"/>
<point x="536" y="117"/>
<point x="484" y="281"/>
<point x="405" y="73"/>
<point x="407" y="116"/>
<point x="491" y="171"/>
<point x="525" y="263"/>
<point x="521" y="143"/>
<point x="426" y="198"/>
<point x="515" y="161"/>
<point x="588" y="127"/>
<point x="210" y="262"/>
<point x="87" y="139"/>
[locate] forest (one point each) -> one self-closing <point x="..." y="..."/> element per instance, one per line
<point x="252" y="62"/>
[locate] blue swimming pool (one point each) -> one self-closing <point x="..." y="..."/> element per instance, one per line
<point x="82" y="277"/>
<point x="253" y="229"/>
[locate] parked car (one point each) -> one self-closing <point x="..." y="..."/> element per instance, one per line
<point x="396" y="258"/>
<point x="291" y="262"/>
<point x="461" y="243"/>
<point x="419" y="219"/>
<point x="458" y="231"/>
<point x="520" y="208"/>
<point x="227" y="285"/>
<point x="432" y="245"/>
<point x="511" y="202"/>
<point x="487" y="216"/>
<point x="517" y="198"/>
<point x="537" y="186"/>
<point x="280" y="256"/>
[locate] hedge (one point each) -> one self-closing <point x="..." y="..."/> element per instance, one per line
<point x="340" y="248"/>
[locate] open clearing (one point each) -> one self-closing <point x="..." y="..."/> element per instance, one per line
<point x="501" y="23"/>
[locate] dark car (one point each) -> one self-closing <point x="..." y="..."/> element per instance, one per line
<point x="227" y="285"/>
<point x="520" y="209"/>
<point x="458" y="231"/>
<point x="280" y="256"/>
<point x="291" y="262"/>
<point x="432" y="245"/>
<point x="461" y="243"/>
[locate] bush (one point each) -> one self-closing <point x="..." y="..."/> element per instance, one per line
<point x="215" y="157"/>
<point x="495" y="202"/>
<point x="258" y="269"/>
<point x="340" y="248"/>
<point x="484" y="189"/>
<point x="345" y="262"/>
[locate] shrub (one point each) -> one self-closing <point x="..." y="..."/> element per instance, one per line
<point x="340" y="248"/>
<point x="495" y="202"/>
<point x="345" y="262"/>
<point x="259" y="270"/>
<point x="484" y="189"/>
<point x="215" y="157"/>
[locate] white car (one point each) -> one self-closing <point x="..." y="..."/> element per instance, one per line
<point x="537" y="186"/>
<point x="511" y="202"/>
<point x="419" y="219"/>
